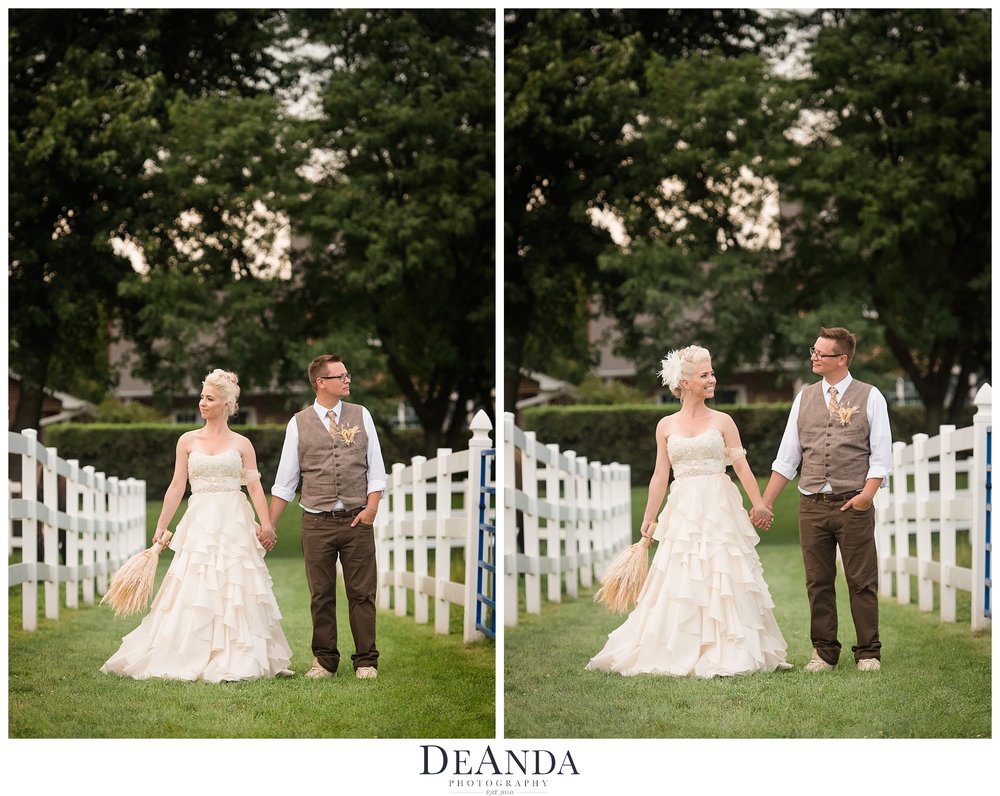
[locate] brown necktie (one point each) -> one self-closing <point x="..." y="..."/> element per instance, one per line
<point x="834" y="406"/>
<point x="333" y="422"/>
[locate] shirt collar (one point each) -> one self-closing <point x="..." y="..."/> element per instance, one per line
<point x="841" y="385"/>
<point x="322" y="410"/>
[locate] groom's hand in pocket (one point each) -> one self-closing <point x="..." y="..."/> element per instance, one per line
<point x="860" y="502"/>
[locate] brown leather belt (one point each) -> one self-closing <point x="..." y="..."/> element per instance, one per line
<point x="826" y="497"/>
<point x="342" y="514"/>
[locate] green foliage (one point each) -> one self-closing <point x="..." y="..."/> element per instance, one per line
<point x="575" y="83"/>
<point x="699" y="264"/>
<point x="193" y="157"/>
<point x="895" y="185"/>
<point x="879" y="145"/>
<point x="593" y="390"/>
<point x="147" y="450"/>
<point x="114" y="410"/>
<point x="89" y="120"/>
<point x="625" y="434"/>
<point x="401" y="232"/>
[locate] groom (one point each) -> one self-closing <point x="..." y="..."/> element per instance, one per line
<point x="333" y="448"/>
<point x="838" y="429"/>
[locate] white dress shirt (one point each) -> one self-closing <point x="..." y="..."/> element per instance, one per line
<point x="286" y="480"/>
<point x="879" y="439"/>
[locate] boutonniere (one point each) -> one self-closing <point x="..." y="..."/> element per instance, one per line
<point x="845" y="413"/>
<point x="348" y="433"/>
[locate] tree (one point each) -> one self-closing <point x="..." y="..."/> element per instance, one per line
<point x="400" y="221"/>
<point x="90" y="97"/>
<point x="575" y="83"/>
<point x="701" y="259"/>
<point x="895" y="186"/>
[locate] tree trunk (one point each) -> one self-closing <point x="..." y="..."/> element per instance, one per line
<point x="29" y="407"/>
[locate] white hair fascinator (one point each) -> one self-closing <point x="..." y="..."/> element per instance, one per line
<point x="670" y="373"/>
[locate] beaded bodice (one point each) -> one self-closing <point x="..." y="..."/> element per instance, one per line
<point x="704" y="454"/>
<point x="220" y="472"/>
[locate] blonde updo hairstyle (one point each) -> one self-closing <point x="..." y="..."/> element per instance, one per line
<point x="680" y="366"/>
<point x="227" y="384"/>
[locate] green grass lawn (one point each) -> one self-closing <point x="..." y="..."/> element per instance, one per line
<point x="429" y="686"/>
<point x="936" y="680"/>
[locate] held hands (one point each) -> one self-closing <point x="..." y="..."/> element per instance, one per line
<point x="647" y="528"/>
<point x="761" y="517"/>
<point x="268" y="538"/>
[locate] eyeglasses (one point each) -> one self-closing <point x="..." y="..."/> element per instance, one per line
<point x="813" y="354"/>
<point x="341" y="377"/>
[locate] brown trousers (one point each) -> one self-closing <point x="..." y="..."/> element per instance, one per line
<point x="822" y="528"/>
<point x="324" y="539"/>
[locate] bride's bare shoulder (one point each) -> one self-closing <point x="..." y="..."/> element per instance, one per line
<point x="663" y="427"/>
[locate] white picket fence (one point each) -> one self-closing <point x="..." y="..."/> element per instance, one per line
<point x="103" y="520"/>
<point x="419" y="516"/>
<point x="913" y="509"/>
<point x="575" y="516"/>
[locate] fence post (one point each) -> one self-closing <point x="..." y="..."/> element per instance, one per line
<point x="572" y="510"/>
<point x="901" y="529"/>
<point x="382" y="547"/>
<point x="398" y="540"/>
<point x="947" y="527"/>
<point x="73" y="534"/>
<point x="442" y="545"/>
<point x="117" y="538"/>
<point x="553" y="524"/>
<point x="623" y="517"/>
<point x="137" y="487"/>
<point x="50" y="532"/>
<point x="584" y="527"/>
<point x="510" y="518"/>
<point x="480" y="440"/>
<point x="420" y="488"/>
<point x="981" y="527"/>
<point x="89" y="545"/>
<point x="101" y="531"/>
<point x="532" y="548"/>
<point x="922" y="488"/>
<point x="29" y="531"/>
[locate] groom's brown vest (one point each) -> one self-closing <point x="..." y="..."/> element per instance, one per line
<point x="833" y="452"/>
<point x="333" y="466"/>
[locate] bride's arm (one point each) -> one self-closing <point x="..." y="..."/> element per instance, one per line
<point x="267" y="534"/>
<point x="175" y="491"/>
<point x="658" y="483"/>
<point x="741" y="467"/>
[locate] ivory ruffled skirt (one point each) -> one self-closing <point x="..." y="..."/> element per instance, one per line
<point x="704" y="609"/>
<point x="214" y="617"/>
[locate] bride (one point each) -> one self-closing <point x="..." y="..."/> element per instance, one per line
<point x="214" y="617"/>
<point x="704" y="609"/>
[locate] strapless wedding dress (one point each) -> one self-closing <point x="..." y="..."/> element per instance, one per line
<point x="704" y="609"/>
<point x="214" y="617"/>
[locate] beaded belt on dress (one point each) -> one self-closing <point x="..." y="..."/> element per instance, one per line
<point x="201" y="485"/>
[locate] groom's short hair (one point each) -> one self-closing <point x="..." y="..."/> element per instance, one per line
<point x="846" y="342"/>
<point x="318" y="363"/>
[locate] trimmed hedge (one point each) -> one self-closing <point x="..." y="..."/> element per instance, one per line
<point x="146" y="450"/>
<point x="624" y="433"/>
